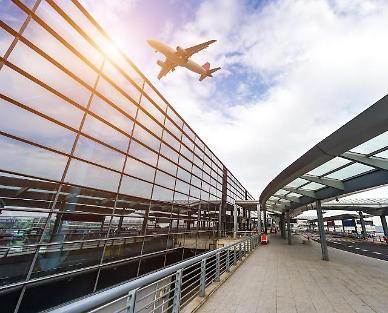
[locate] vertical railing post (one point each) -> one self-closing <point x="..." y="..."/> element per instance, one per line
<point x="239" y="251"/>
<point x="234" y="255"/>
<point x="177" y="292"/>
<point x="217" y="278"/>
<point x="227" y="265"/>
<point x="131" y="300"/>
<point x="202" y="279"/>
<point x="244" y="248"/>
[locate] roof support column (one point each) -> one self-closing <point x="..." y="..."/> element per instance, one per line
<point x="258" y="218"/>
<point x="282" y="226"/>
<point x="384" y="223"/>
<point x="235" y="221"/>
<point x="219" y="220"/>
<point x="288" y="228"/>
<point x="322" y="235"/>
<point x="265" y="221"/>
<point x="363" y="231"/>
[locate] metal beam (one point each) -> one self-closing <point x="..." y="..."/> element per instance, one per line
<point x="363" y="159"/>
<point x="335" y="183"/>
<point x="303" y="192"/>
<point x="291" y="199"/>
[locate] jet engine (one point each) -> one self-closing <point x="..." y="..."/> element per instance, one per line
<point x="182" y="52"/>
<point x="160" y="63"/>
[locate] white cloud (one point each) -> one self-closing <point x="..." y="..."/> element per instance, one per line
<point x="324" y="62"/>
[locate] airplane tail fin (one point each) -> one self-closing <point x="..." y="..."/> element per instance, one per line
<point x="208" y="70"/>
<point x="206" y="66"/>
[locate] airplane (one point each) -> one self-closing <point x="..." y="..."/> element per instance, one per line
<point x="181" y="57"/>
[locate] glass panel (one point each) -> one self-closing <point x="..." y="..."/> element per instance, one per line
<point x="27" y="159"/>
<point x="88" y="175"/>
<point x="350" y="171"/>
<point x="55" y="21"/>
<point x="167" y="166"/>
<point x="146" y="138"/>
<point x="142" y="153"/>
<point x="46" y="42"/>
<point x="313" y="186"/>
<point x="281" y="192"/>
<point x="165" y="180"/>
<point x="383" y="154"/>
<point x="155" y="97"/>
<point x="329" y="166"/>
<point x="111" y="115"/>
<point x="149" y="123"/>
<point x="105" y="133"/>
<point x="134" y="187"/>
<point x="38" y="98"/>
<point x="297" y="183"/>
<point x="171" y="141"/>
<point x="97" y="153"/>
<point x="25" y="124"/>
<point x="32" y="63"/>
<point x="114" y="75"/>
<point x="162" y="194"/>
<point x="116" y="97"/>
<point x="5" y="41"/>
<point x="138" y="169"/>
<point x="372" y="145"/>
<point x="12" y="15"/>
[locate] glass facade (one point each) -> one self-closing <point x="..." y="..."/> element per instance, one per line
<point x="92" y="157"/>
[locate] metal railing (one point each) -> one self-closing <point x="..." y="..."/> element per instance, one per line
<point x="168" y="289"/>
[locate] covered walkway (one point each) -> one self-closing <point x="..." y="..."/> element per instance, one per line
<point x="283" y="278"/>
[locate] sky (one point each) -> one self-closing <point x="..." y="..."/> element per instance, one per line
<point x="292" y="71"/>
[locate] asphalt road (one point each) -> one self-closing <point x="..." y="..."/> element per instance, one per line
<point x="373" y="250"/>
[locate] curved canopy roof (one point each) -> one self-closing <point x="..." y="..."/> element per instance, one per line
<point x="352" y="159"/>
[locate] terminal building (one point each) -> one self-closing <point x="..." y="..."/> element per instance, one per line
<point x="109" y="200"/>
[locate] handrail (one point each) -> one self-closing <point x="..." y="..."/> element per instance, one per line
<point x="98" y="299"/>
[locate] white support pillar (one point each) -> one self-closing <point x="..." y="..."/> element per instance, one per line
<point x="289" y="240"/>
<point x="258" y="218"/>
<point x="234" y="220"/>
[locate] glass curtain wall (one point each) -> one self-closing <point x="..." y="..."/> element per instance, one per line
<point x="96" y="167"/>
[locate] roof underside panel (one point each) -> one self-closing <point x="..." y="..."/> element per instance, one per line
<point x="352" y="159"/>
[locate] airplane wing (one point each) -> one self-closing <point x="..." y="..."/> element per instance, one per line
<point x="165" y="68"/>
<point x="194" y="49"/>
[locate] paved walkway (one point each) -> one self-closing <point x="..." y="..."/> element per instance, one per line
<point x="282" y="278"/>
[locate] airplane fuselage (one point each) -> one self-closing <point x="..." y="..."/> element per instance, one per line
<point x="172" y="55"/>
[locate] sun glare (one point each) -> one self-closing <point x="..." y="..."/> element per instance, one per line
<point x="110" y="49"/>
